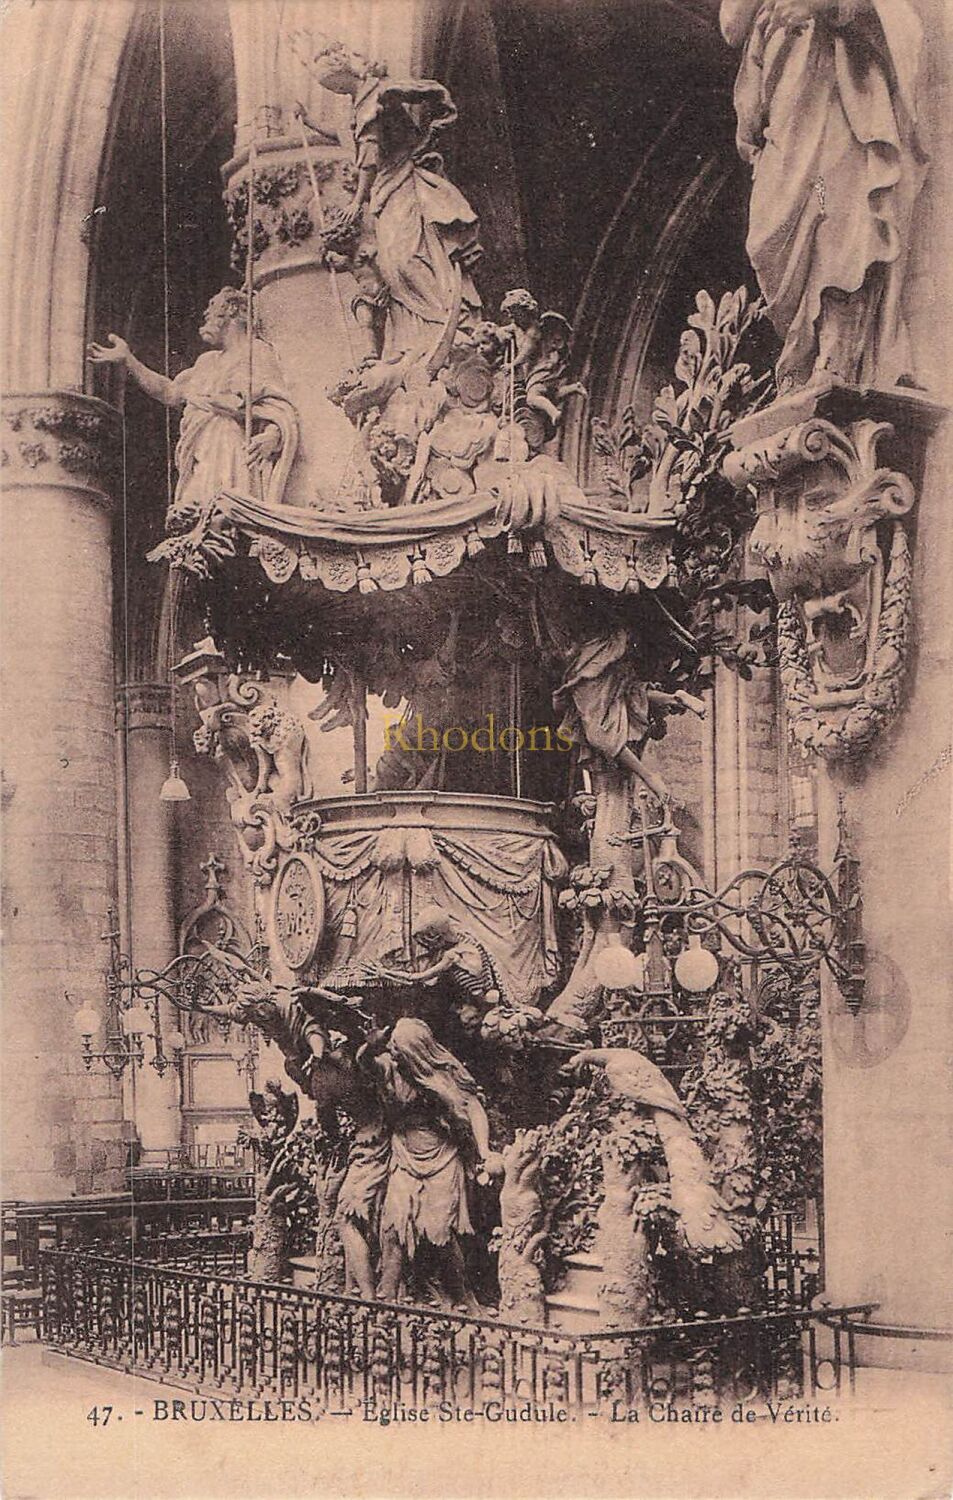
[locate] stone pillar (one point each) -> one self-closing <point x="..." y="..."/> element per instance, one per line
<point x="305" y="313"/>
<point x="865" y="628"/>
<point x="144" y="719"/>
<point x="62" y="1127"/>
<point x="888" y="1109"/>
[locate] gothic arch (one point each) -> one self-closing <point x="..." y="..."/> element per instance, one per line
<point x="644" y="262"/>
<point x="58" y="114"/>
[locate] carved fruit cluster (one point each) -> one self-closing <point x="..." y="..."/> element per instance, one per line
<point x="589" y="891"/>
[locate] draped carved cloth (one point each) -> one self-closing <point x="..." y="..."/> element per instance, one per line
<point x="210" y="453"/>
<point x="388" y="548"/>
<point x="497" y="886"/>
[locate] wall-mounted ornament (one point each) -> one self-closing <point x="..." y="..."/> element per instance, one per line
<point x="298" y="910"/>
<point x="835" y="472"/>
<point x="263" y="749"/>
<point x="213" y="922"/>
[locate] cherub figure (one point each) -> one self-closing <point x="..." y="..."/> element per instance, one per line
<point x="540" y="345"/>
<point x="211" y="453"/>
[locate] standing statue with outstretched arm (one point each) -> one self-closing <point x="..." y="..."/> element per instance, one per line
<point x="214" y="452"/>
<point x="422" y="223"/>
<point x="826" y="105"/>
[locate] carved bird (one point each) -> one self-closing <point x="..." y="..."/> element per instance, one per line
<point x="702" y="1213"/>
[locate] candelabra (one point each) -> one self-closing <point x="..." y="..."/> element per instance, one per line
<point x="131" y="1013"/>
<point x="792" y="917"/>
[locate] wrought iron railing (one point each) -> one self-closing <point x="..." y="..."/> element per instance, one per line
<point x="222" y="1334"/>
<point x="791" y="1264"/>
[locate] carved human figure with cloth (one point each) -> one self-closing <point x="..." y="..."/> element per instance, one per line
<point x="422" y="222"/>
<point x="827" y="118"/>
<point x="437" y="1123"/>
<point x="214" y="451"/>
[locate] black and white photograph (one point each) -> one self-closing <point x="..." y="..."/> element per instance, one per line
<point x="477" y="719"/>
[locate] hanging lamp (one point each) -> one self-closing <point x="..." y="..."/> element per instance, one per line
<point x="174" y="789"/>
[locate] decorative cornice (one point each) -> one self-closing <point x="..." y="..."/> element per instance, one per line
<point x="60" y="439"/>
<point x="143" y="705"/>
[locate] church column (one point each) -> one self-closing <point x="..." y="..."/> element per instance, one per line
<point x="62" y="1127"/>
<point x="144" y="718"/>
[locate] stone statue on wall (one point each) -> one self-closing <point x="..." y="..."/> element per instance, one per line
<point x="825" y="100"/>
<point x="211" y="453"/>
<point x="422" y="223"/>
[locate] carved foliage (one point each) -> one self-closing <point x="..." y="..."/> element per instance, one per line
<point x="73" y="433"/>
<point x="679" y="450"/>
<point x="283" y="217"/>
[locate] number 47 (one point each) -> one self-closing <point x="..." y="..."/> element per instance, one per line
<point x="99" y="1414"/>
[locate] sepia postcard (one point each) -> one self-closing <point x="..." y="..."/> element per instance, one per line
<point x="477" y="713"/>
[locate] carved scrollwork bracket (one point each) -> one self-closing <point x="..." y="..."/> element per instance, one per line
<point x="835" y="472"/>
<point x="262" y="748"/>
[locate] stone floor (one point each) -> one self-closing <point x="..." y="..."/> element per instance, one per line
<point x="892" y="1442"/>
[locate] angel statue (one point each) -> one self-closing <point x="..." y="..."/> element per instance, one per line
<point x="825" y="100"/>
<point x="540" y="354"/>
<point x="423" y="224"/>
<point x="211" y="453"/>
<point x="608" y="710"/>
